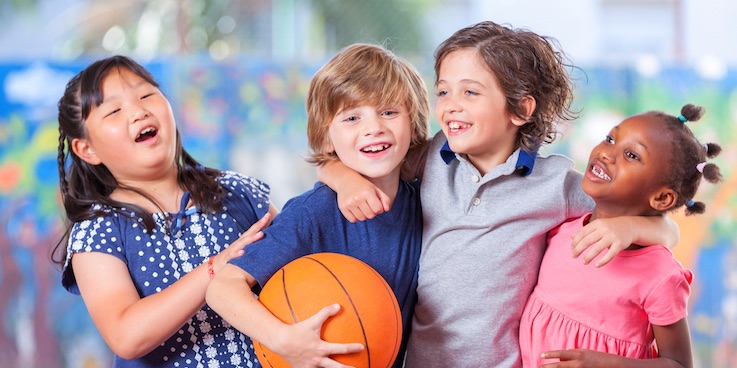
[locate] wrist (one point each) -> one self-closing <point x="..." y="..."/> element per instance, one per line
<point x="210" y="269"/>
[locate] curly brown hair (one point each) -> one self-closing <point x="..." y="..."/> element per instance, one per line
<point x="525" y="64"/>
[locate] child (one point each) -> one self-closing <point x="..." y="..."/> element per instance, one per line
<point x="366" y="107"/>
<point x="648" y="165"/>
<point x="149" y="226"/>
<point x="489" y="199"/>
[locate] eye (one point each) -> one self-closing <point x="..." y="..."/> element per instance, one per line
<point x="471" y="93"/>
<point x="632" y="155"/>
<point x="147" y="95"/>
<point x="609" y="139"/>
<point x="441" y="93"/>
<point x="389" y="113"/>
<point x="350" y="119"/>
<point x="111" y="113"/>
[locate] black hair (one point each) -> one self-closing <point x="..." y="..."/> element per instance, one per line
<point x="688" y="158"/>
<point x="83" y="185"/>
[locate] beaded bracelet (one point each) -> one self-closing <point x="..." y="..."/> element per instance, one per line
<point x="210" y="270"/>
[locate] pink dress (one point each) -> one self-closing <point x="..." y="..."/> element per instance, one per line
<point x="608" y="309"/>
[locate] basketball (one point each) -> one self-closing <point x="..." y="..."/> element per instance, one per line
<point x="369" y="313"/>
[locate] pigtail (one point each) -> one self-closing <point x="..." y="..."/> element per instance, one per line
<point x="712" y="149"/>
<point x="695" y="208"/>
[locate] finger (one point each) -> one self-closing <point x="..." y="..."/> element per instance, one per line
<point x="610" y="254"/>
<point x="329" y="363"/>
<point x="553" y="354"/>
<point x="335" y="348"/>
<point x="317" y="320"/>
<point x="357" y="214"/>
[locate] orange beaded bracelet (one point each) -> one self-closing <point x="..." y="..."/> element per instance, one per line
<point x="210" y="271"/>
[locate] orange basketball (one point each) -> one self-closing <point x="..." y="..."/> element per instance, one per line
<point x="369" y="312"/>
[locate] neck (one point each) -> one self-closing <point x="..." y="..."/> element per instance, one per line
<point x="487" y="161"/>
<point x="164" y="191"/>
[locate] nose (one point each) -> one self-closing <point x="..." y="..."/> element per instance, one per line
<point x="373" y="126"/>
<point x="449" y="104"/>
<point x="138" y="112"/>
<point x="606" y="153"/>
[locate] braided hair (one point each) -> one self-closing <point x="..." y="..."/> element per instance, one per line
<point x="83" y="185"/>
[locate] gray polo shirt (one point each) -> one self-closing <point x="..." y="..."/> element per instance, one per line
<point x="483" y="241"/>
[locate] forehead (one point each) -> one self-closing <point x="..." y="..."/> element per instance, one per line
<point x="465" y="64"/>
<point x="646" y="130"/>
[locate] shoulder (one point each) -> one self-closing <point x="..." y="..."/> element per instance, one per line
<point x="318" y="197"/>
<point x="233" y="181"/>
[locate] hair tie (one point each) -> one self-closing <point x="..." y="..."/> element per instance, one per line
<point x="690" y="203"/>
<point x="682" y="118"/>
<point x="700" y="167"/>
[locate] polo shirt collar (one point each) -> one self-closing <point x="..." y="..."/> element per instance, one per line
<point x="524" y="165"/>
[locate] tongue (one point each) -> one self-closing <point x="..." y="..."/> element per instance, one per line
<point x="145" y="136"/>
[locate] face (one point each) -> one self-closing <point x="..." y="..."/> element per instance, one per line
<point x="372" y="141"/>
<point x="625" y="170"/>
<point x="132" y="132"/>
<point x="472" y="112"/>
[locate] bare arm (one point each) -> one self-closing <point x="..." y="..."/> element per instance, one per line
<point x="617" y="233"/>
<point x="133" y="326"/>
<point x="229" y="294"/>
<point x="674" y="351"/>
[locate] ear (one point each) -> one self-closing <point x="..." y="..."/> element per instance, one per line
<point x="663" y="200"/>
<point x="82" y="148"/>
<point x="528" y="105"/>
<point x="327" y="146"/>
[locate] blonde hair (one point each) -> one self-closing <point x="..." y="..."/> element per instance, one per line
<point x="363" y="74"/>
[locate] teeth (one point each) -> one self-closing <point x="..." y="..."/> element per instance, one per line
<point x="376" y="148"/>
<point x="147" y="130"/>
<point x="455" y="125"/>
<point x="599" y="173"/>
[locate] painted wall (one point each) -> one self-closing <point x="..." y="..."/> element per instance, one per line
<point x="248" y="115"/>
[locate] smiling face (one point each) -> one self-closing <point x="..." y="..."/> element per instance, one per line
<point x="472" y="110"/>
<point x="626" y="171"/>
<point x="132" y="132"/>
<point x="372" y="141"/>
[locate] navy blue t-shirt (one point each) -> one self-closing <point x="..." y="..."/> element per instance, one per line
<point x="312" y="223"/>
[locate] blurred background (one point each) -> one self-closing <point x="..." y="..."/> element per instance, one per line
<point x="236" y="73"/>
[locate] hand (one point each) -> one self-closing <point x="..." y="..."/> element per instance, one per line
<point x="611" y="234"/>
<point x="235" y="249"/>
<point x="361" y="200"/>
<point x="576" y="358"/>
<point x="301" y="346"/>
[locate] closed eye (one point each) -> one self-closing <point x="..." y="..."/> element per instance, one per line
<point x="112" y="112"/>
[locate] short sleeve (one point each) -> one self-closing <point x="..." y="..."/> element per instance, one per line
<point x="246" y="197"/>
<point x="101" y="234"/>
<point x="579" y="203"/>
<point x="668" y="302"/>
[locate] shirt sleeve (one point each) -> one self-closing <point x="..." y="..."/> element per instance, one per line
<point x="101" y="234"/>
<point x="579" y="203"/>
<point x="668" y="301"/>
<point x="247" y="197"/>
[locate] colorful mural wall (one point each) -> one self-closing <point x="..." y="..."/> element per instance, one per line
<point x="248" y="115"/>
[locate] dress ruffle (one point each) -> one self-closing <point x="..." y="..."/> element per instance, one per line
<point x="554" y="330"/>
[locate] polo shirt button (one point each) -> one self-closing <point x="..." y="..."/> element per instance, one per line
<point x="476" y="201"/>
<point x="475" y="178"/>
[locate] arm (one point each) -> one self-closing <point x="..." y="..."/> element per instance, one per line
<point x="229" y="294"/>
<point x="358" y="198"/>
<point x="133" y="326"/>
<point x="617" y="233"/>
<point x="674" y="351"/>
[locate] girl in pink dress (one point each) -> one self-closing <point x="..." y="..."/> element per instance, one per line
<point x="631" y="313"/>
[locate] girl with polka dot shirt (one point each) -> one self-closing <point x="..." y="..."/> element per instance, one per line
<point x="148" y="226"/>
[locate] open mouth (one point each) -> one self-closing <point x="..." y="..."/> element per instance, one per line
<point x="375" y="148"/>
<point x="146" y="134"/>
<point x="599" y="173"/>
<point x="456" y="126"/>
